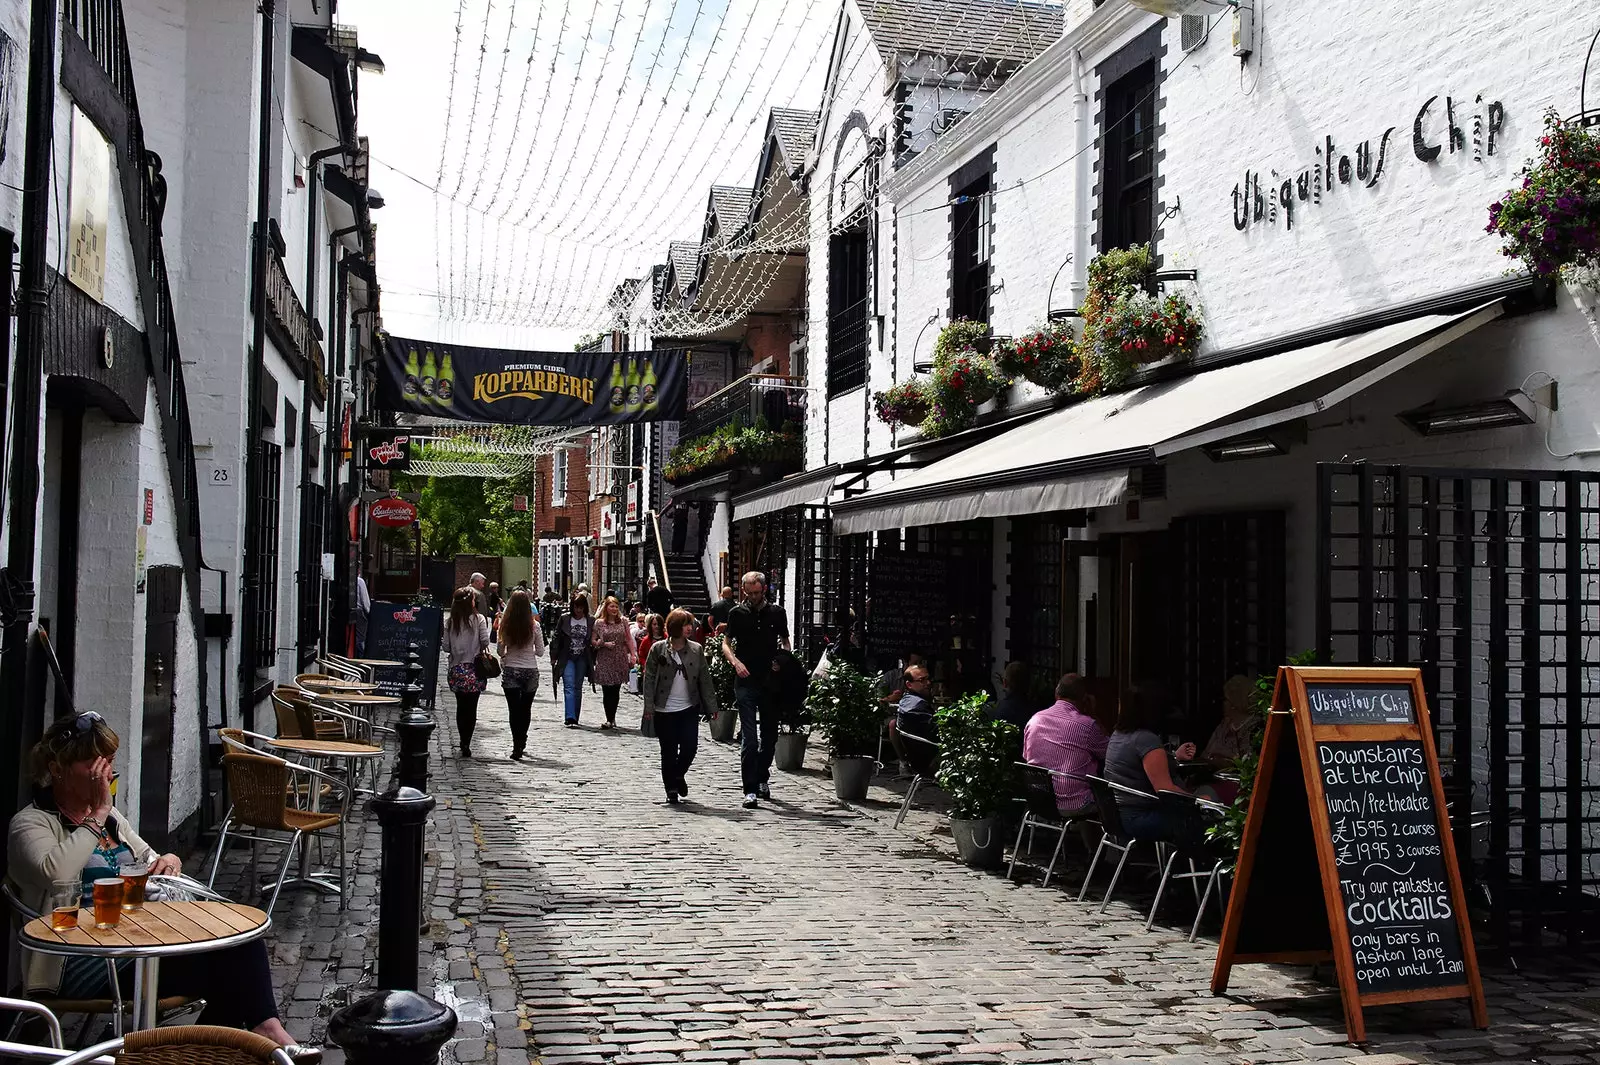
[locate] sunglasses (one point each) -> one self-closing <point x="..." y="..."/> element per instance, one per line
<point x="76" y="725"/>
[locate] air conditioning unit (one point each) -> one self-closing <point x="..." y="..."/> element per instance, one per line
<point x="1192" y="33"/>
<point x="946" y="119"/>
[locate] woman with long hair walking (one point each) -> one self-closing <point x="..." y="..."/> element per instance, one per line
<point x="521" y="648"/>
<point x="614" y="654"/>
<point x="572" y="655"/>
<point x="466" y="633"/>
<point x="677" y="692"/>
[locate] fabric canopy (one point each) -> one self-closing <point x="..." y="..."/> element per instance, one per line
<point x="1070" y="459"/>
<point x="799" y="490"/>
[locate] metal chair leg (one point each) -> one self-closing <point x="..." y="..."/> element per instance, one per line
<point x="1061" y="839"/>
<point x="1092" y="863"/>
<point x="283" y="870"/>
<point x="1127" y="848"/>
<point x="222" y="841"/>
<point x="344" y="870"/>
<point x="1016" y="848"/>
<point x="1166" y="872"/>
<point x="905" y="804"/>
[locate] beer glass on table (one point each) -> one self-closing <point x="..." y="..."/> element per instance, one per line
<point x="133" y="877"/>
<point x="64" y="903"/>
<point x="108" y="893"/>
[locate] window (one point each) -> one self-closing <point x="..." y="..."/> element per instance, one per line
<point x="848" y="296"/>
<point x="558" y="478"/>
<point x="313" y="520"/>
<point x="972" y="231"/>
<point x="266" y="552"/>
<point x="1128" y="154"/>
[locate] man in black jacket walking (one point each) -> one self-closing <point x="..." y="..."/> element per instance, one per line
<point x="756" y="629"/>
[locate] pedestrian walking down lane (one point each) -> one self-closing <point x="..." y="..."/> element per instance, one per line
<point x="678" y="692"/>
<point x="572" y="655"/>
<point x="521" y="650"/>
<point x="466" y="634"/>
<point x="614" y="655"/>
<point x="756" y="629"/>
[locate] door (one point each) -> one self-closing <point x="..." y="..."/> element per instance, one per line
<point x="163" y="599"/>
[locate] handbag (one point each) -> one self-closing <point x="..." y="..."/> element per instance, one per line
<point x="486" y="665"/>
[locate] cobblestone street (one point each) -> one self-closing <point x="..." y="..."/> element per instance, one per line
<point x="578" y="918"/>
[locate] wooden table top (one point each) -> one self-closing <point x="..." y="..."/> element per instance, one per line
<point x="359" y="698"/>
<point x="375" y="661"/>
<point x="328" y="748"/>
<point x="336" y="686"/>
<point x="159" y="928"/>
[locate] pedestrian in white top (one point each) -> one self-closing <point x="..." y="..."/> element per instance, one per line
<point x="677" y="693"/>
<point x="521" y="649"/>
<point x="466" y="633"/>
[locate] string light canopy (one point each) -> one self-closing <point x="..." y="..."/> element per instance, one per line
<point x="481" y="450"/>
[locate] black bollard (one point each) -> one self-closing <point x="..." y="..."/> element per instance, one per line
<point x="403" y="813"/>
<point x="414" y="728"/>
<point x="392" y="1028"/>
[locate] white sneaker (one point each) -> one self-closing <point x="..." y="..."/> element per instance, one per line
<point x="750" y="800"/>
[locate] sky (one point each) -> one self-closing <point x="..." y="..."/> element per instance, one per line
<point x="533" y="154"/>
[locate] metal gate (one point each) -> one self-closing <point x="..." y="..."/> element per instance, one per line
<point x="1489" y="580"/>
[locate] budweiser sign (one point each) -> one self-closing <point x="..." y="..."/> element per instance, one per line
<point x="392" y="513"/>
<point x="393" y="452"/>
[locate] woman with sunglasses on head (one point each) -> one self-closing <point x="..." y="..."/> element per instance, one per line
<point x="71" y="835"/>
<point x="677" y="693"/>
<point x="466" y="633"/>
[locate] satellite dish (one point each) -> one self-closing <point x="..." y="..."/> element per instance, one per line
<point x="1179" y="8"/>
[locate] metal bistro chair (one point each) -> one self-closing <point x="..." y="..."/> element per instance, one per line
<point x="344" y="670"/>
<point x="261" y="786"/>
<point x="187" y="1045"/>
<point x="1112" y="835"/>
<point x="923" y="754"/>
<point x="1186" y="815"/>
<point x="313" y="719"/>
<point x="1039" y="793"/>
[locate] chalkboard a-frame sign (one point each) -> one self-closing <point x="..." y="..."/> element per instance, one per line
<point x="1352" y="798"/>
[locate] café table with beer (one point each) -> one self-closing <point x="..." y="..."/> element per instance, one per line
<point x="120" y="923"/>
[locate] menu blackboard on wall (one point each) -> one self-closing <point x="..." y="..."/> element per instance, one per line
<point x="1348" y="797"/>
<point x="910" y="608"/>
<point x="391" y="628"/>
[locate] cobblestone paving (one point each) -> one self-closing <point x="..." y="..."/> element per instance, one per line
<point x="577" y="918"/>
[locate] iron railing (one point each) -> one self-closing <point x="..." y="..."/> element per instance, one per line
<point x="770" y="398"/>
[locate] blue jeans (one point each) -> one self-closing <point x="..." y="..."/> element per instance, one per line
<point x="758" y="731"/>
<point x="1145" y="823"/>
<point x="572" y="676"/>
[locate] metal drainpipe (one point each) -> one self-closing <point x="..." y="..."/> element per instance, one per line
<point x="22" y="508"/>
<point x="257" y="370"/>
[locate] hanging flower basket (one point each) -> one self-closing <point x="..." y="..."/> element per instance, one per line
<point x="970" y="377"/>
<point x="906" y="403"/>
<point x="1143" y="329"/>
<point x="1552" y="222"/>
<point x="1048" y="357"/>
<point x="959" y="336"/>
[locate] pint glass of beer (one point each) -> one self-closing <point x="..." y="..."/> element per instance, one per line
<point x="133" y="876"/>
<point x="64" y="904"/>
<point x="108" y="892"/>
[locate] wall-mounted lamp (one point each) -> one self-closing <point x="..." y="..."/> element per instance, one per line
<point x="1514" y="408"/>
<point x="1275" y="441"/>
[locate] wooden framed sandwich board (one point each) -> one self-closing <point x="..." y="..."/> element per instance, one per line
<point x="1348" y="797"/>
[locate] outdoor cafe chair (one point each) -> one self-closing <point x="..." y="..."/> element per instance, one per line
<point x="51" y="1007"/>
<point x="196" y="1044"/>
<point x="1186" y="815"/>
<point x="1112" y="835"/>
<point x="300" y="718"/>
<point x="343" y="670"/>
<point x="261" y="786"/>
<point x="1039" y="795"/>
<point x="923" y="754"/>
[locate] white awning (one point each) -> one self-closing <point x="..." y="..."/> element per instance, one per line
<point x="801" y="489"/>
<point x="1078" y="457"/>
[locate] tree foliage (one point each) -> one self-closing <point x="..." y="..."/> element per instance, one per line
<point x="472" y="515"/>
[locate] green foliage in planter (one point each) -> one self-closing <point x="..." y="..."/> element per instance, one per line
<point x="964" y="376"/>
<point x="1552" y="221"/>
<point x="906" y="403"/>
<point x="1230" y="830"/>
<point x="732" y="446"/>
<point x="1124" y="326"/>
<point x="960" y="335"/>
<point x="722" y="674"/>
<point x="843" y="705"/>
<point x="1047" y="356"/>
<point x="977" y="758"/>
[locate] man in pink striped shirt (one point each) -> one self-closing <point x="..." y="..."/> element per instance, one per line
<point x="1064" y="737"/>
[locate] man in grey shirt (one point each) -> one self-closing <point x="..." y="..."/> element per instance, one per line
<point x="479" y="596"/>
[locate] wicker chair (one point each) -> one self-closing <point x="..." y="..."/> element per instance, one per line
<point x="300" y="718"/>
<point x="188" y="1045"/>
<point x="261" y="786"/>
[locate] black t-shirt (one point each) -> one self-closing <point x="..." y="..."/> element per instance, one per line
<point x="719" y="611"/>
<point x="755" y="633"/>
<point x="659" y="600"/>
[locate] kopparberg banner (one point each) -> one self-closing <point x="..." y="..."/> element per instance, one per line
<point x="531" y="387"/>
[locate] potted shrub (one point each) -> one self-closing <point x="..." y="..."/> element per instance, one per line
<point x="977" y="765"/>
<point x="725" y="717"/>
<point x="906" y="403"/>
<point x="843" y="705"/>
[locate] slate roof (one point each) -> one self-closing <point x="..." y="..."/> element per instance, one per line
<point x="684" y="255"/>
<point x="732" y="206"/>
<point x="989" y="29"/>
<point x="796" y="132"/>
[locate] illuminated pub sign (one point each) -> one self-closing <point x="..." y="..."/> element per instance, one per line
<point x="531" y="387"/>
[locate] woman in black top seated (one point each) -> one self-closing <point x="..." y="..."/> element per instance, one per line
<point x="1136" y="758"/>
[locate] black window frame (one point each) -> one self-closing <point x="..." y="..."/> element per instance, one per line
<point x="313" y="534"/>
<point x="972" y="251"/>
<point x="1128" y="153"/>
<point x="849" y="306"/>
<point x="268" y="535"/>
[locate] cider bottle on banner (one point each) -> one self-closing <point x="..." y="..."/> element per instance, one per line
<point x="619" y="388"/>
<point x="445" y="386"/>
<point x="430" y="372"/>
<point x="634" y="385"/>
<point x="413" y="382"/>
<point x="649" y="385"/>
